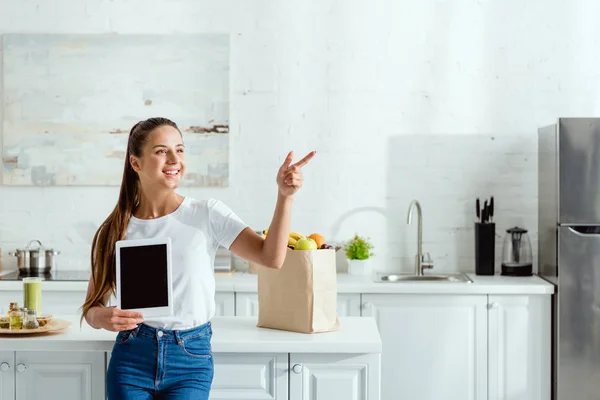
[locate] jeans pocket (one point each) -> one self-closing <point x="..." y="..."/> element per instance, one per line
<point x="124" y="337"/>
<point x="198" y="347"/>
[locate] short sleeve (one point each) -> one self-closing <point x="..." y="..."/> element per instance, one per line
<point x="225" y="225"/>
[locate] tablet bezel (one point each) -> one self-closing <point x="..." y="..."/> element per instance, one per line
<point x="163" y="311"/>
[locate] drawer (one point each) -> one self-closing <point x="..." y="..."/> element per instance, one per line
<point x="250" y="376"/>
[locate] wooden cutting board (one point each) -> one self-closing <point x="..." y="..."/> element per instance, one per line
<point x="53" y="325"/>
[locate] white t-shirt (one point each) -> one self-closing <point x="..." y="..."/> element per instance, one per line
<point x="196" y="230"/>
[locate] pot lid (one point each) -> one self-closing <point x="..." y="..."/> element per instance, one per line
<point x="516" y="229"/>
<point x="29" y="245"/>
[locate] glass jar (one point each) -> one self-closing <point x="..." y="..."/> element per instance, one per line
<point x="30" y="321"/>
<point x="15" y="317"/>
<point x="32" y="294"/>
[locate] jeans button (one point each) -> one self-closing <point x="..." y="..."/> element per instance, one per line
<point x="160" y="333"/>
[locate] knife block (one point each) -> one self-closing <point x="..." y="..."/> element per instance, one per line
<point x="485" y="245"/>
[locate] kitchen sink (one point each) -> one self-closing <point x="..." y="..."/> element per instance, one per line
<point x="454" y="278"/>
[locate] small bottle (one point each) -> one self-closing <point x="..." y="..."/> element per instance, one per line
<point x="16" y="317"/>
<point x="30" y="321"/>
<point x="12" y="305"/>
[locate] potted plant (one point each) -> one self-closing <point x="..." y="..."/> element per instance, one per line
<point x="358" y="252"/>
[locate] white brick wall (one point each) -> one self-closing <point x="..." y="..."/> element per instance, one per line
<point x="434" y="100"/>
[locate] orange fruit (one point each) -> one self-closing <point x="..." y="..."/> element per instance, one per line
<point x="318" y="238"/>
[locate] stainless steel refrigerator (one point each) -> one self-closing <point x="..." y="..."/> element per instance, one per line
<point x="569" y="251"/>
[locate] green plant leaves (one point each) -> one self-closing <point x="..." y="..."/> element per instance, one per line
<point x="358" y="248"/>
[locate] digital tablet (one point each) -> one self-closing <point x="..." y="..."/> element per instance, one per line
<point x="144" y="281"/>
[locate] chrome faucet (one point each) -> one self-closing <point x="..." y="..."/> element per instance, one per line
<point x="420" y="262"/>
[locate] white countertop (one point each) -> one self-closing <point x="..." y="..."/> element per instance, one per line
<point x="245" y="282"/>
<point x="356" y="335"/>
<point x="497" y="284"/>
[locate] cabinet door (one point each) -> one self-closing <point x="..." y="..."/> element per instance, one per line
<point x="246" y="304"/>
<point x="250" y="376"/>
<point x="434" y="347"/>
<point x="79" y="375"/>
<point x="334" y="376"/>
<point x="519" y="347"/>
<point x="7" y="375"/>
<point x="348" y="304"/>
<point x="224" y="304"/>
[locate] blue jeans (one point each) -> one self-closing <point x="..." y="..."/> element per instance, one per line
<point x="149" y="363"/>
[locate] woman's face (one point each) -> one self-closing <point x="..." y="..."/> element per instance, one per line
<point x="162" y="163"/>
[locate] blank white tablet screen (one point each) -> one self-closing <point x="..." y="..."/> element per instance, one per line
<point x="144" y="282"/>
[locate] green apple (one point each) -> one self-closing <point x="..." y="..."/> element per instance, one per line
<point x="306" y="244"/>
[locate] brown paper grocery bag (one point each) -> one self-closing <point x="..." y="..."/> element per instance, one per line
<point x="302" y="295"/>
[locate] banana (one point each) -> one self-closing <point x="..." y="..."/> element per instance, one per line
<point x="296" y="235"/>
<point x="293" y="236"/>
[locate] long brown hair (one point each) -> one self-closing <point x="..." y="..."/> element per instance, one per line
<point x="114" y="227"/>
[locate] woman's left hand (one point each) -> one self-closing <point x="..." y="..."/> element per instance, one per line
<point x="289" y="178"/>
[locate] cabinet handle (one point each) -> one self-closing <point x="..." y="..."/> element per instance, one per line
<point x="4" y="366"/>
<point x="21" y="367"/>
<point x="297" y="368"/>
<point x="366" y="305"/>
<point x="493" y="305"/>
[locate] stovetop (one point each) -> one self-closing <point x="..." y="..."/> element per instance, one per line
<point x="62" y="276"/>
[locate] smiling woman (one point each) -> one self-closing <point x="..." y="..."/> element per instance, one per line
<point x="149" y="358"/>
<point x="164" y="156"/>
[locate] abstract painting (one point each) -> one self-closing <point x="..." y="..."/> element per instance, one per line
<point x="69" y="102"/>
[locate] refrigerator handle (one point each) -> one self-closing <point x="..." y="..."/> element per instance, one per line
<point x="585" y="231"/>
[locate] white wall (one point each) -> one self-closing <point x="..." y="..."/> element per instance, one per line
<point x="433" y="100"/>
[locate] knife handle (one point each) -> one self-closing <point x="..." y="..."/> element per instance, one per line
<point x="486" y="211"/>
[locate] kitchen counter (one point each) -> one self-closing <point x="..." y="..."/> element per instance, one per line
<point x="496" y="284"/>
<point x="249" y="362"/>
<point x="230" y="335"/>
<point x="244" y="282"/>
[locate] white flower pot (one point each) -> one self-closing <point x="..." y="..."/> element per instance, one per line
<point x="359" y="267"/>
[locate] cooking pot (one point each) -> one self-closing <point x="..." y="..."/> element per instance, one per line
<point x="35" y="260"/>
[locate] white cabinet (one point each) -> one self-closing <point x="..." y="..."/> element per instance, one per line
<point x="250" y="376"/>
<point x="246" y="304"/>
<point x="41" y="375"/>
<point x="309" y="376"/>
<point x="224" y="304"/>
<point x="519" y="347"/>
<point x="7" y="375"/>
<point x="460" y="347"/>
<point x="326" y="377"/>
<point x="434" y="346"/>
<point x="348" y="304"/>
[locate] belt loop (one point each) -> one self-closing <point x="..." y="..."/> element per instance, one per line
<point x="177" y="337"/>
<point x="136" y="330"/>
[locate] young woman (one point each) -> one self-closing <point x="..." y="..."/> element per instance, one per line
<point x="171" y="357"/>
